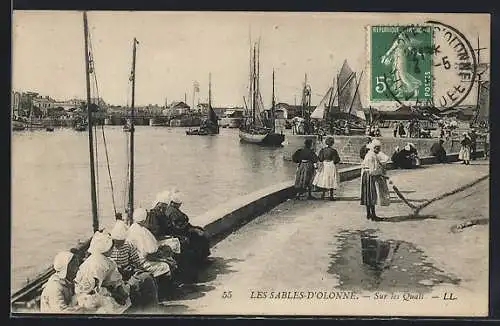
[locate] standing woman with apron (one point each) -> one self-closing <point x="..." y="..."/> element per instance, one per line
<point x="305" y="159"/>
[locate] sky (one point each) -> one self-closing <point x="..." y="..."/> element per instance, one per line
<point x="177" y="48"/>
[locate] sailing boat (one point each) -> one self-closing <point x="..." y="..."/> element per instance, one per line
<point x="481" y="115"/>
<point x="254" y="131"/>
<point x="341" y="107"/>
<point x="29" y="295"/>
<point x="210" y="126"/>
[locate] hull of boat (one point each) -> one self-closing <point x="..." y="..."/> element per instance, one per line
<point x="199" y="133"/>
<point x="231" y="122"/>
<point x="268" y="139"/>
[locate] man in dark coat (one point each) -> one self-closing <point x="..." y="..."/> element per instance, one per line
<point x="473" y="139"/>
<point x="438" y="151"/>
<point x="364" y="149"/>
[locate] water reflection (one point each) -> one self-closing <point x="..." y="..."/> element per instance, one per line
<point x="366" y="262"/>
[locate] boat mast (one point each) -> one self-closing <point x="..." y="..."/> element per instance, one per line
<point x="130" y="211"/>
<point x="273" y="118"/>
<point x="304" y="97"/>
<point x="355" y="93"/>
<point x="209" y="92"/>
<point x="254" y="82"/>
<point x="479" y="83"/>
<point x="95" y="218"/>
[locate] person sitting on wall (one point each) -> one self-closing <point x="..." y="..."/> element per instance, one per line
<point x="99" y="286"/>
<point x="143" y="287"/>
<point x="406" y="158"/>
<point x="58" y="293"/>
<point x="438" y="151"/>
<point x="172" y="221"/>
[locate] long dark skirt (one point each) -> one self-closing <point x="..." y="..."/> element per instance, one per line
<point x="143" y="290"/>
<point x="368" y="189"/>
<point x="305" y="175"/>
<point x="374" y="190"/>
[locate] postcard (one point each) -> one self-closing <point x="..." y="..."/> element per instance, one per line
<point x="250" y="163"/>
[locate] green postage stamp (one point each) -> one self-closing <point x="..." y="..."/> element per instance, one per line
<point x="401" y="63"/>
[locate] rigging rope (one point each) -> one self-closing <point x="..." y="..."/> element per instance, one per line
<point x="97" y="99"/>
<point x="109" y="170"/>
<point x="97" y="171"/>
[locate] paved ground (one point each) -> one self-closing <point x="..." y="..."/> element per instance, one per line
<point x="315" y="247"/>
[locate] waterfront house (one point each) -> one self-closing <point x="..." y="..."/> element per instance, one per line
<point x="178" y="108"/>
<point x="288" y="111"/>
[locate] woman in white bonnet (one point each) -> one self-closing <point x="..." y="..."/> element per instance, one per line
<point x="171" y="221"/>
<point x="374" y="190"/>
<point x="156" y="259"/>
<point x="57" y="295"/>
<point x="98" y="275"/>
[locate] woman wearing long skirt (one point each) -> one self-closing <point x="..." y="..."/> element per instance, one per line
<point x="464" y="154"/>
<point x="374" y="189"/>
<point x="327" y="176"/>
<point x="305" y="159"/>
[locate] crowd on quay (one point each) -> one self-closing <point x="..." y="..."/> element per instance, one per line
<point x="319" y="171"/>
<point x="129" y="265"/>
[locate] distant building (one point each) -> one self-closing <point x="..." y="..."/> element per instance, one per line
<point x="177" y="108"/>
<point x="288" y="111"/>
<point x="15" y="103"/>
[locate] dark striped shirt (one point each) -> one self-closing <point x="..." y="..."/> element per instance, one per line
<point x="126" y="255"/>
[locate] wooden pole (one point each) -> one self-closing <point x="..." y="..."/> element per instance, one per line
<point x="273" y="118"/>
<point x="254" y="82"/>
<point x="95" y="218"/>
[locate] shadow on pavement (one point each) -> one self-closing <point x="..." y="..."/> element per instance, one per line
<point x="197" y="289"/>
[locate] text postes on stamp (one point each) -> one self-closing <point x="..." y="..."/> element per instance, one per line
<point x="401" y="63"/>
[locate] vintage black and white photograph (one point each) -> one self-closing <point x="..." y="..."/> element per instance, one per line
<point x="250" y="163"/>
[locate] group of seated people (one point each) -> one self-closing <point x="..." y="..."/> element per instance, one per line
<point x="127" y="266"/>
<point x="406" y="158"/>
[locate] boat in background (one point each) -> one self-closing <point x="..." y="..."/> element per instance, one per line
<point x="80" y="126"/>
<point x="232" y="119"/>
<point x="210" y="125"/>
<point x="259" y="129"/>
<point x="18" y="125"/>
<point x="340" y="111"/>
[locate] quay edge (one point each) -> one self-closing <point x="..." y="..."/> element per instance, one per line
<point x="348" y="146"/>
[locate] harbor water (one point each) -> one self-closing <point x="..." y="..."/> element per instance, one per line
<point x="51" y="208"/>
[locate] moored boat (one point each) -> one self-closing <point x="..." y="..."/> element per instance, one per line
<point x="340" y="111"/>
<point x="259" y="130"/>
<point x="210" y="125"/>
<point x="265" y="137"/>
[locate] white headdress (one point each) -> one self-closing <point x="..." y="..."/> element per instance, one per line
<point x="140" y="214"/>
<point x="119" y="231"/>
<point x="61" y="262"/>
<point x="176" y="197"/>
<point x="101" y="242"/>
<point x="162" y="197"/>
<point x="374" y="143"/>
